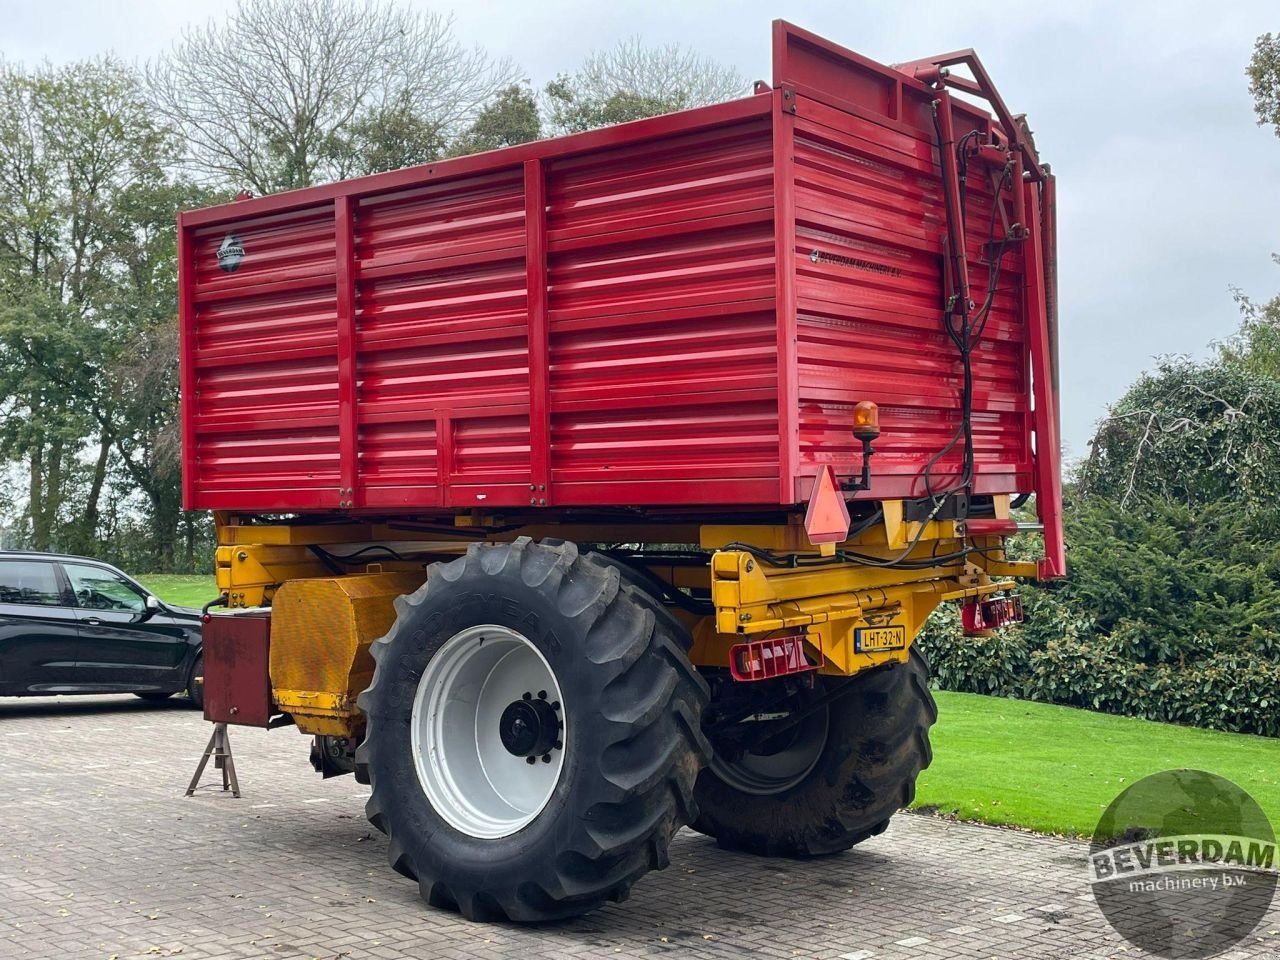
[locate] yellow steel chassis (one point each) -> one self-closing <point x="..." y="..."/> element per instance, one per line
<point x="816" y="594"/>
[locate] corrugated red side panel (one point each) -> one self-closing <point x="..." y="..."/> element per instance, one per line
<point x="264" y="349"/>
<point x="644" y="269"/>
<point x="442" y="341"/>
<point x="661" y="314"/>
<point x="704" y="296"/>
<point x="869" y="285"/>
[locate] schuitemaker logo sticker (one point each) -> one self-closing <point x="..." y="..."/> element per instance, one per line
<point x="230" y="253"/>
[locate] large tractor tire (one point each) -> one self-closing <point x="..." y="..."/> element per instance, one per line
<point x="533" y="734"/>
<point x="834" y="779"/>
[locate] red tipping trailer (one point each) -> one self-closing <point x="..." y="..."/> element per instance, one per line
<point x="601" y="485"/>
<point x="679" y="311"/>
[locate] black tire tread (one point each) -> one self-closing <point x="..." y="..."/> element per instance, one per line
<point x="878" y="745"/>
<point x="643" y="789"/>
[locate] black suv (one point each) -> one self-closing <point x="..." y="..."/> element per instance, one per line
<point x="72" y="625"/>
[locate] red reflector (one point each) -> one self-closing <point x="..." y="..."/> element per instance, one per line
<point x="827" y="519"/>
<point x="988" y="614"/>
<point x="775" y="657"/>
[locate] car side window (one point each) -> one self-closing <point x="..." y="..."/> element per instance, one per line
<point x="31" y="582"/>
<point x="100" y="589"/>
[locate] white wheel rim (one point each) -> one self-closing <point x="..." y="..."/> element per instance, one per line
<point x="469" y="774"/>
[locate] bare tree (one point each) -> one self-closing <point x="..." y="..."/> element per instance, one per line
<point x="289" y="93"/>
<point x="632" y="80"/>
<point x="670" y="70"/>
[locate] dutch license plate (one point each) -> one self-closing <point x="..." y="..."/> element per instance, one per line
<point x="875" y="639"/>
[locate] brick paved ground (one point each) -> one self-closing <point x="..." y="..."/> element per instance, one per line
<point x="101" y="856"/>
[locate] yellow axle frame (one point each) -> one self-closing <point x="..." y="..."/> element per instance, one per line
<point x="764" y="580"/>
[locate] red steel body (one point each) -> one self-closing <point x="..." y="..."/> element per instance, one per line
<point x="679" y="312"/>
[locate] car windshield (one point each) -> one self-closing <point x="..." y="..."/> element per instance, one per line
<point x="100" y="589"/>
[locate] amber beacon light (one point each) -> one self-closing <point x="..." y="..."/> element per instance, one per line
<point x="866" y="427"/>
<point x="866" y="421"/>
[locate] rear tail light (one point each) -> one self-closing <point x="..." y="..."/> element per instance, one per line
<point x="775" y="657"/>
<point x="982" y="615"/>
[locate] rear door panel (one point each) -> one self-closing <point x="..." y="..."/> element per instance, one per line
<point x="39" y="640"/>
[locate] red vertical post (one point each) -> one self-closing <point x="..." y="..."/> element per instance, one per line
<point x="348" y="437"/>
<point x="1048" y="467"/>
<point x="187" y="361"/>
<point x="444" y="456"/>
<point x="784" y="252"/>
<point x="959" y="250"/>
<point x="535" y="223"/>
<point x="1049" y="249"/>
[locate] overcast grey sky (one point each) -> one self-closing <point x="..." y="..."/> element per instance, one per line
<point x="1169" y="193"/>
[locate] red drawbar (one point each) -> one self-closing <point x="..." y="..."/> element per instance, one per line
<point x="775" y="657"/>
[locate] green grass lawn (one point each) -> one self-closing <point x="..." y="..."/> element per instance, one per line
<point x="1055" y="769"/>
<point x="184" y="590"/>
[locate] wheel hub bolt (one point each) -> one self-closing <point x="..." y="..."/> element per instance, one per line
<point x="529" y="728"/>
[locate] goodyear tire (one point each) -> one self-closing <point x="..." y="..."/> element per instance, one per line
<point x="847" y="771"/>
<point x="533" y="734"/>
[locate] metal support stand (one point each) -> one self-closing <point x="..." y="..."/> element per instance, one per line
<point x="220" y="749"/>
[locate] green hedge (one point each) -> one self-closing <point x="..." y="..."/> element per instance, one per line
<point x="1169" y="613"/>
<point x="1225" y="692"/>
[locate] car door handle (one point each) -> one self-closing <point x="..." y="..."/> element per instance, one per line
<point x="93" y="622"/>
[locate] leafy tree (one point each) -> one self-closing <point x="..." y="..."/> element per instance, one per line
<point x="1190" y="433"/>
<point x="511" y="118"/>
<point x="632" y="81"/>
<point x="573" y="113"/>
<point x="87" y="281"/>
<point x="1255" y="348"/>
<point x="1171" y="608"/>
<point x="289" y="93"/>
<point x="386" y="138"/>
<point x="142" y="375"/>
<point x="74" y="140"/>
<point x="1170" y="581"/>
<point x="1264" y="80"/>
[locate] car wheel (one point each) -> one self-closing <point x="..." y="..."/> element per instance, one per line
<point x="195" y="688"/>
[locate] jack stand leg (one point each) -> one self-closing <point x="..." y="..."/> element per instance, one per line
<point x="219" y="749"/>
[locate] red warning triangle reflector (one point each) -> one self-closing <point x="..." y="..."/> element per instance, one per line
<point x="827" y="519"/>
